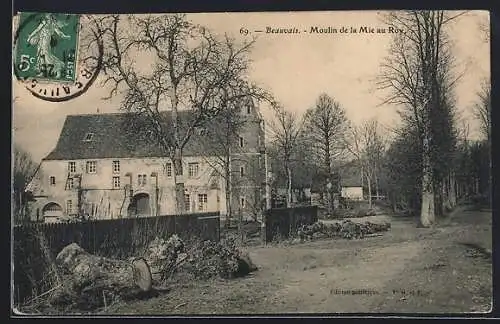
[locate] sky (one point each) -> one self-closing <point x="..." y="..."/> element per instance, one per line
<point x="296" y="68"/>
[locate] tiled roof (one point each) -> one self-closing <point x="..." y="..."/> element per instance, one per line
<point x="120" y="135"/>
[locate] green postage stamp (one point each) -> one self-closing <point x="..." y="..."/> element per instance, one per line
<point x="51" y="56"/>
<point x="47" y="46"/>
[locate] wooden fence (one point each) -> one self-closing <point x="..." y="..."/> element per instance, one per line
<point x="37" y="245"/>
<point x="284" y="222"/>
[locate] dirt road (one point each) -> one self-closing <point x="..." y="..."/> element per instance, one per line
<point x="442" y="270"/>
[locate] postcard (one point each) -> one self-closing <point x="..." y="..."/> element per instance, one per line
<point x="251" y="163"/>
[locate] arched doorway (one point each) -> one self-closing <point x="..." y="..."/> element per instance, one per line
<point x="52" y="212"/>
<point x="139" y="206"/>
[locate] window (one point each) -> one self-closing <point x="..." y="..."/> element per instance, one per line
<point x="193" y="169"/>
<point x="52" y="181"/>
<point x="249" y="109"/>
<point x="88" y="137"/>
<point x="116" y="182"/>
<point x="242" y="171"/>
<point x="69" y="207"/>
<point x="187" y="203"/>
<point x="70" y="184"/>
<point x="202" y="202"/>
<point x="72" y="167"/>
<point x="91" y="166"/>
<point x="242" y="142"/>
<point x="168" y="169"/>
<point x="243" y="202"/>
<point x="116" y="166"/>
<point x="141" y="179"/>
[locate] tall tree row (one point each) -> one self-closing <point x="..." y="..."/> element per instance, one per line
<point x="366" y="143"/>
<point x="286" y="130"/>
<point x="419" y="76"/>
<point x="309" y="149"/>
<point x="482" y="112"/>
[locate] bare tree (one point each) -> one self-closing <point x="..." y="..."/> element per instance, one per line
<point x="417" y="73"/>
<point x="286" y="129"/>
<point x="326" y="124"/>
<point x="366" y="144"/>
<point x="24" y="169"/>
<point x="482" y="110"/>
<point x="189" y="69"/>
<point x="222" y="144"/>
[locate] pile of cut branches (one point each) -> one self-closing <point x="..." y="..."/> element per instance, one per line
<point x="202" y="260"/>
<point x="223" y="259"/>
<point x="345" y="229"/>
<point x="163" y="257"/>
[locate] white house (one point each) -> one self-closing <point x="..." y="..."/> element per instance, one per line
<point x="108" y="166"/>
<point x="351" y="182"/>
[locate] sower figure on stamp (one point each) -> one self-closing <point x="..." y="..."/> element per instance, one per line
<point x="42" y="38"/>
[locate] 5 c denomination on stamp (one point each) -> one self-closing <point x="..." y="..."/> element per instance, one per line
<point x="48" y="56"/>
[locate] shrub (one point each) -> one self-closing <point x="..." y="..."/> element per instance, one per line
<point x="209" y="259"/>
<point x="345" y="229"/>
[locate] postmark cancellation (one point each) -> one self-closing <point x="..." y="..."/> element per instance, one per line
<point x="53" y="55"/>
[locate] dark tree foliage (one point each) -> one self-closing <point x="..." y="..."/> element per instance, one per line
<point x="401" y="176"/>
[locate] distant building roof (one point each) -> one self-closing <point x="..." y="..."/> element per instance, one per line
<point x="124" y="135"/>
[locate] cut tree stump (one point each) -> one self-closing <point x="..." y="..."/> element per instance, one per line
<point x="91" y="275"/>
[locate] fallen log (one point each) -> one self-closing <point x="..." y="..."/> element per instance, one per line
<point x="90" y="277"/>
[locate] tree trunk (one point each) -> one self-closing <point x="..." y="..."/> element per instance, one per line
<point x="452" y="188"/>
<point x="446" y="192"/>
<point x="427" y="215"/>
<point x="92" y="276"/>
<point x="267" y="182"/>
<point x="332" y="205"/>
<point x="20" y="208"/>
<point x="446" y="197"/>
<point x="438" y="198"/>
<point x="177" y="152"/>
<point x="362" y="177"/>
<point x="228" y="178"/>
<point x="328" y="158"/>
<point x="289" y="186"/>
<point x="368" y="182"/>
<point x="240" y="225"/>
<point x="179" y="182"/>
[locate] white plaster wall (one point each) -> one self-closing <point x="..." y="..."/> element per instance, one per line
<point x="352" y="193"/>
